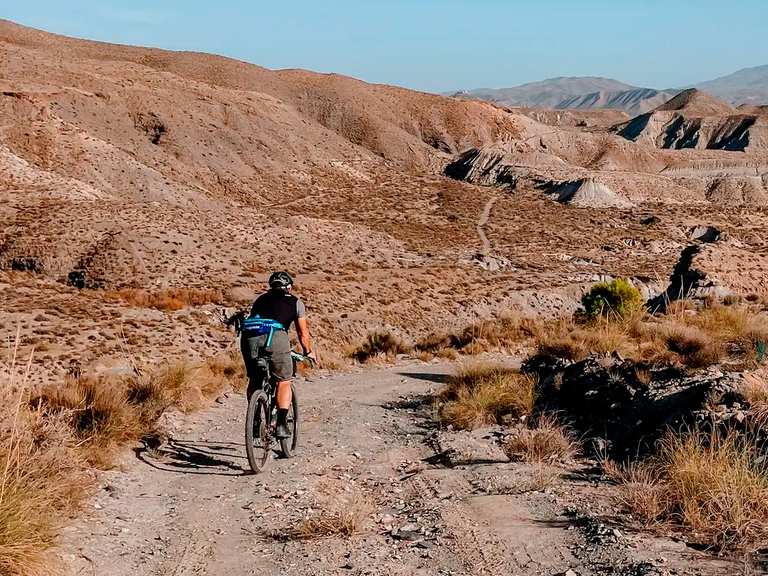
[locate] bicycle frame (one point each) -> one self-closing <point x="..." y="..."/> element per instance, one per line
<point x="268" y="384"/>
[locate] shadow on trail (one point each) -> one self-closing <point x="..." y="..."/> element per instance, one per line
<point x="194" y="457"/>
<point x="419" y="406"/>
<point x="447" y="459"/>
<point x="589" y="474"/>
<point x="436" y="378"/>
<point x="408" y="403"/>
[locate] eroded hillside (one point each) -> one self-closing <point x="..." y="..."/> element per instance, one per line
<point x="126" y="168"/>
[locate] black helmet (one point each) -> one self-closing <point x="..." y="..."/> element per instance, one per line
<point x="280" y="281"/>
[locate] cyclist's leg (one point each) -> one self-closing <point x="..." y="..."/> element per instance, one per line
<point x="284" y="395"/>
<point x="254" y="385"/>
<point x="250" y="348"/>
<point x="281" y="366"/>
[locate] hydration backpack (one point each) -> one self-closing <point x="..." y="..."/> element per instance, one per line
<point x="257" y="326"/>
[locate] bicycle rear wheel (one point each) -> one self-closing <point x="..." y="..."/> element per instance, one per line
<point x="258" y="436"/>
<point x="288" y="445"/>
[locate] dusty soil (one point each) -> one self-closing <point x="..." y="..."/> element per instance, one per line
<point x="434" y="502"/>
<point x="124" y="167"/>
<point x="130" y="167"/>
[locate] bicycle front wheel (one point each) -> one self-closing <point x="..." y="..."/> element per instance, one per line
<point x="258" y="437"/>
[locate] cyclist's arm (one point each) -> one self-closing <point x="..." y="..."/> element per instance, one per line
<point x="302" y="328"/>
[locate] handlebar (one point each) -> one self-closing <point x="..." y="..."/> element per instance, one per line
<point x="235" y="320"/>
<point x="296" y="357"/>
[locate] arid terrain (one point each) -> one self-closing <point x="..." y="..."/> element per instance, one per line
<point x="133" y="168"/>
<point x="142" y="191"/>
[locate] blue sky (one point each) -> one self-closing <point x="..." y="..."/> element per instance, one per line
<point x="437" y="45"/>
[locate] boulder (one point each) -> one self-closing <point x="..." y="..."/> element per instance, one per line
<point x="631" y="407"/>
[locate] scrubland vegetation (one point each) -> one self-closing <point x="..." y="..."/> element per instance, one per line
<point x="548" y="440"/>
<point x="342" y="516"/>
<point x="711" y="481"/>
<point x="685" y="335"/>
<point x="169" y="300"/>
<point x="43" y="477"/>
<point x="51" y="435"/>
<point x="481" y="395"/>
<point x="379" y="344"/>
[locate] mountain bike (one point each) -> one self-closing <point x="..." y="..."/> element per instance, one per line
<point x="261" y="415"/>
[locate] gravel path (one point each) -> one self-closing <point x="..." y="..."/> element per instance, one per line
<point x="191" y="507"/>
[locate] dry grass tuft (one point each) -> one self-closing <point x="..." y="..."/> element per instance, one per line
<point x="504" y="333"/>
<point x="108" y="411"/>
<point x="189" y="385"/>
<point x="740" y="325"/>
<point x="43" y="484"/>
<point x="548" y="441"/>
<point x="717" y="486"/>
<point x="169" y="300"/>
<point x="48" y="436"/>
<point x="712" y="484"/>
<point x="344" y="518"/>
<point x="543" y="477"/>
<point x="97" y="411"/>
<point x="685" y="336"/>
<point x="148" y="400"/>
<point x="480" y="395"/>
<point x="694" y="347"/>
<point x="379" y="344"/>
<point x="755" y="392"/>
<point x="642" y="491"/>
<point x="575" y="342"/>
<point x="333" y="360"/>
<point x="229" y="365"/>
<point x="42" y="481"/>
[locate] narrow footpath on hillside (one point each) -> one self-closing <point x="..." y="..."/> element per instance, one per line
<point x="370" y="455"/>
<point x="481" y="223"/>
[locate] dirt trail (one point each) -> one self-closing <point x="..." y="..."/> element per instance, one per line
<point x="482" y="221"/>
<point x="191" y="508"/>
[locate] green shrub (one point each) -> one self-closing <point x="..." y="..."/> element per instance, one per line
<point x="614" y="299"/>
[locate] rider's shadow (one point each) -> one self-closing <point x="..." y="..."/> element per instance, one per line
<point x="194" y="457"/>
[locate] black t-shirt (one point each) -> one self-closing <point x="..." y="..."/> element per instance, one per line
<point x="279" y="305"/>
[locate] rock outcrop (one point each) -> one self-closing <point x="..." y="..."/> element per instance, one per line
<point x="607" y="399"/>
<point x="694" y="120"/>
<point x="584" y="193"/>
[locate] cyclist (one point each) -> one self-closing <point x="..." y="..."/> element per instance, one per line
<point x="280" y="305"/>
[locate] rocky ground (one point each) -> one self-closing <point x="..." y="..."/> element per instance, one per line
<point x="424" y="501"/>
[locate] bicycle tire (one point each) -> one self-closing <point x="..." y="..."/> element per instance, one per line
<point x="258" y="439"/>
<point x="288" y="445"/>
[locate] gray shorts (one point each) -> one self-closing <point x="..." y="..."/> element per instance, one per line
<point x="278" y="354"/>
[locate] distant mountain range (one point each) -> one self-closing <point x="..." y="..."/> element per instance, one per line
<point x="748" y="86"/>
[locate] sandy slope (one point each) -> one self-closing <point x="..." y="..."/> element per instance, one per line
<point x="131" y="167"/>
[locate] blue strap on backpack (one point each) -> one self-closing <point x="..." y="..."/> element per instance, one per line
<point x="257" y="326"/>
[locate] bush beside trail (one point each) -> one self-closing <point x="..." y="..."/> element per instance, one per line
<point x="615" y="299"/>
<point x="674" y="404"/>
<point x="51" y="435"/>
